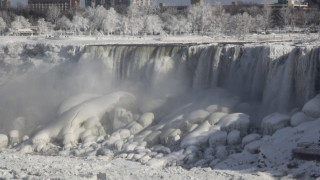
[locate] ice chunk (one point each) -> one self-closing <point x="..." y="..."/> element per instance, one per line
<point x="234" y="137"/>
<point x="250" y="138"/>
<point x="4" y="141"/>
<point x="312" y="107"/>
<point x="273" y="122"/>
<point x="299" y="118"/>
<point x="217" y="138"/>
<point x="235" y="121"/>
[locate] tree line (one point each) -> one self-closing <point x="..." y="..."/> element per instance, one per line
<point x="202" y="19"/>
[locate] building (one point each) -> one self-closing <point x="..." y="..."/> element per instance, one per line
<point x="196" y="1"/>
<point x="5" y="4"/>
<point x="110" y="3"/>
<point x="298" y="3"/>
<point x="44" y="5"/>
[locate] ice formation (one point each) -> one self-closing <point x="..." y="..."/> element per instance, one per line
<point x="213" y="105"/>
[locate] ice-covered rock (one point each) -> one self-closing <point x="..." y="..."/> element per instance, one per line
<point x="4" y="141"/>
<point x="215" y="117"/>
<point x="221" y="152"/>
<point x="235" y="121"/>
<point x="74" y="101"/>
<point x="273" y="122"/>
<point x="234" y="137"/>
<point x="299" y="118"/>
<point x="218" y="138"/>
<point x="120" y="118"/>
<point x="146" y="119"/>
<point x="84" y="117"/>
<point x="253" y="147"/>
<point x="250" y="138"/>
<point x="197" y="116"/>
<point x="312" y="107"/>
<point x="14" y="137"/>
<point x="198" y="137"/>
<point x="170" y="135"/>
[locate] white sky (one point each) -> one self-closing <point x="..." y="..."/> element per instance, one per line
<point x="168" y="2"/>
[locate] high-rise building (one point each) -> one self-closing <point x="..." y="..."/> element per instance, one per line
<point x="62" y="5"/>
<point x="5" y="4"/>
<point x="110" y="3"/>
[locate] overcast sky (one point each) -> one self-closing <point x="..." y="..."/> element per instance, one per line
<point x="168" y="2"/>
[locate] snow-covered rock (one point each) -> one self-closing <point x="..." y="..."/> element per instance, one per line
<point x="312" y="107"/>
<point x="218" y="138"/>
<point x="299" y="118"/>
<point x="215" y="117"/>
<point x="273" y="122"/>
<point x="197" y="116"/>
<point x="120" y="118"/>
<point x="146" y="119"/>
<point x="14" y="137"/>
<point x="221" y="152"/>
<point x="234" y="137"/>
<point x="253" y="147"/>
<point x="250" y="138"/>
<point x="84" y="117"/>
<point x="235" y="121"/>
<point x="198" y="137"/>
<point x="4" y="141"/>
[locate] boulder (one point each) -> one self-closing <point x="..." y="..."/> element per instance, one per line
<point x="299" y="118"/>
<point x="197" y="116"/>
<point x="215" y="117"/>
<point x="4" y="141"/>
<point x="273" y="122"/>
<point x="250" y="138"/>
<point x="218" y="138"/>
<point x="235" y="121"/>
<point x="234" y="137"/>
<point x="312" y="107"/>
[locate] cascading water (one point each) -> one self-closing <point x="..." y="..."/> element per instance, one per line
<point x="155" y="98"/>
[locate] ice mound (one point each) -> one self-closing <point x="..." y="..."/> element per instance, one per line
<point x="273" y="122"/>
<point x="81" y="121"/>
<point x="312" y="107"/>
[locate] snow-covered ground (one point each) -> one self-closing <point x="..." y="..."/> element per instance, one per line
<point x="184" y="107"/>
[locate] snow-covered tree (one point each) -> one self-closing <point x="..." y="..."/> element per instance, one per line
<point x="3" y="25"/>
<point x="135" y="24"/>
<point x="80" y="23"/>
<point x="152" y="24"/>
<point x="219" y="19"/>
<point x="267" y="21"/>
<point x="64" y="23"/>
<point x="53" y="14"/>
<point x="239" y="25"/>
<point x="19" y="23"/>
<point x="43" y="26"/>
<point x="111" y="21"/>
